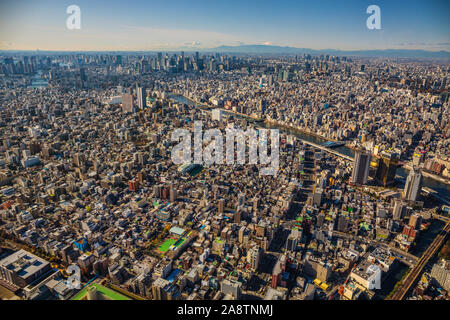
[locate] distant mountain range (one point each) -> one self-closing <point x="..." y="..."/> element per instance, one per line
<point x="269" y="49"/>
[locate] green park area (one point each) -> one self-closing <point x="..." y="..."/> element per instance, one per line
<point x="107" y="293"/>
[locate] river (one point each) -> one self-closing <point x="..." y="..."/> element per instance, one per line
<point x="441" y="188"/>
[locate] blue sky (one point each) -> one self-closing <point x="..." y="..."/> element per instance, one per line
<point x="197" y="24"/>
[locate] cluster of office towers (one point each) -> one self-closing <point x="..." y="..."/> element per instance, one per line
<point x="385" y="170"/>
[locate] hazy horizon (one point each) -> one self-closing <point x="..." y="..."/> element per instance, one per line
<point x="199" y="25"/>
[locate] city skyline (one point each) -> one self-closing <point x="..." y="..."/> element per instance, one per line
<point x="150" y="25"/>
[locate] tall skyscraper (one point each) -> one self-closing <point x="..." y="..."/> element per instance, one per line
<point x="360" y="168"/>
<point x="253" y="257"/>
<point x="83" y="76"/>
<point x="241" y="234"/>
<point x="317" y="197"/>
<point x="221" y="206"/>
<point x="387" y="167"/>
<point x="159" y="54"/>
<point x="414" y="221"/>
<point x="293" y="239"/>
<point x="173" y="193"/>
<point x="399" y="210"/>
<point x="119" y="60"/>
<point x="141" y="98"/>
<point x="413" y="184"/>
<point x="237" y="217"/>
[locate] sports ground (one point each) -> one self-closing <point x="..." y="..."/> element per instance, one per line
<point x="164" y="247"/>
<point x="112" y="295"/>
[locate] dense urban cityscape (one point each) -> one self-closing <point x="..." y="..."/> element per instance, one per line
<point x="93" y="207"/>
<point x="224" y="159"/>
